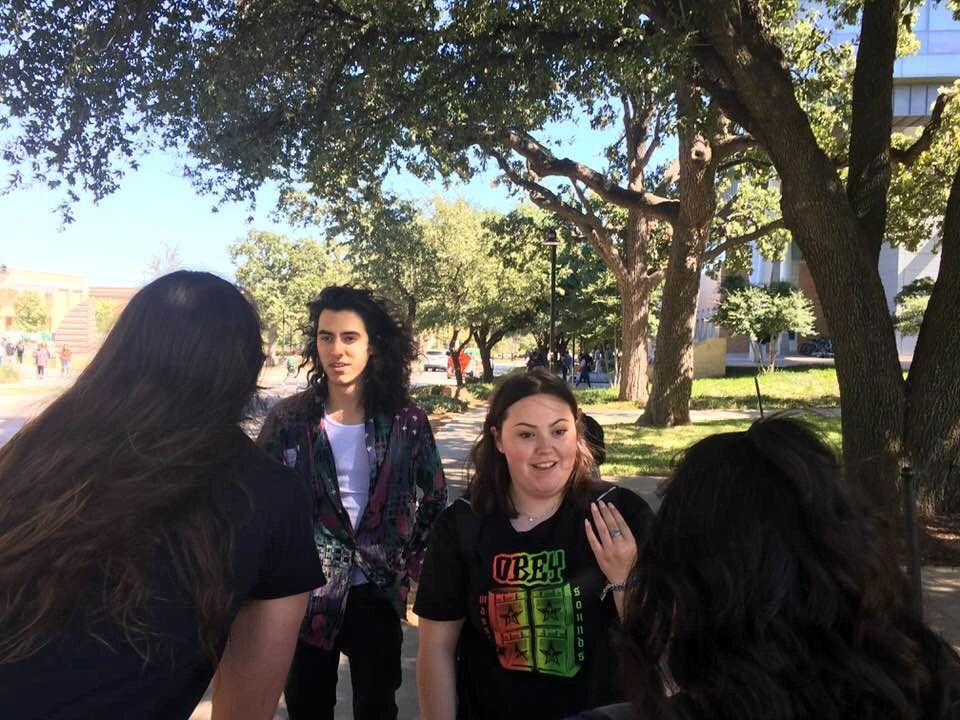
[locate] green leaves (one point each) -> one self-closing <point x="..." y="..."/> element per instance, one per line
<point x="763" y="312"/>
<point x="282" y="275"/>
<point x="30" y="312"/>
<point x="911" y="304"/>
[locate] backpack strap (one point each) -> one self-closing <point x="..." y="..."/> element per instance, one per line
<point x="468" y="530"/>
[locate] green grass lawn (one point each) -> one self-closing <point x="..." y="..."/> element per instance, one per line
<point x="634" y="450"/>
<point x="796" y="387"/>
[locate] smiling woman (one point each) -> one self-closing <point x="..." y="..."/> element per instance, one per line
<point x="515" y="617"/>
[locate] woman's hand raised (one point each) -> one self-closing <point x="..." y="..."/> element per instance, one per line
<point x="612" y="542"/>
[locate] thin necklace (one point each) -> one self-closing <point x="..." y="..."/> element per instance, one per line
<point x="533" y="518"/>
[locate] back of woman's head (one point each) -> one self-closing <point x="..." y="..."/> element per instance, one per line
<point x="129" y="459"/>
<point x="764" y="592"/>
<point x="386" y="378"/>
<point x="489" y="488"/>
<point x="187" y="347"/>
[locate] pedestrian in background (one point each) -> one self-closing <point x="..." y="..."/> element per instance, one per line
<point x="145" y="542"/>
<point x="566" y="364"/>
<point x="20" y="350"/>
<point x="585" y="363"/>
<point x="366" y="450"/>
<point x="41" y="357"/>
<point x="65" y="355"/>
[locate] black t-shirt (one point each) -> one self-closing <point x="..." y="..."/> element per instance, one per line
<point x="537" y="641"/>
<point x="82" y="676"/>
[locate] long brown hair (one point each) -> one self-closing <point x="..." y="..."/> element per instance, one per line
<point x="764" y="590"/>
<point x="489" y="487"/>
<point x="125" y="462"/>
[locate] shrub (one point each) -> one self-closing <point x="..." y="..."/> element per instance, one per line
<point x="438" y="404"/>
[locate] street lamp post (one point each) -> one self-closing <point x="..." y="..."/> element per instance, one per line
<point x="552" y="241"/>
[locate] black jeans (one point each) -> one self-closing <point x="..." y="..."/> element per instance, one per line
<point x="370" y="637"/>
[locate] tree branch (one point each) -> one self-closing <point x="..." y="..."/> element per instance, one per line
<point x="724" y="212"/>
<point x="734" y="242"/>
<point x="728" y="145"/>
<point x="603" y="238"/>
<point x="587" y="222"/>
<point x="758" y="163"/>
<point x="670" y="176"/>
<point x="547" y="199"/>
<point x="872" y="118"/>
<point x="909" y="155"/>
<point x="542" y="162"/>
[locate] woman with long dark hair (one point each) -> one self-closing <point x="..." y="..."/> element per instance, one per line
<point x="765" y="592"/>
<point x="524" y="580"/>
<point x="366" y="450"/>
<point x="143" y="535"/>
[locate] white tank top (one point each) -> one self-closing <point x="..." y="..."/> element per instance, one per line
<point x="348" y="443"/>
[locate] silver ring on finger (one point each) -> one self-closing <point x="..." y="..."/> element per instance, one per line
<point x="616" y="532"/>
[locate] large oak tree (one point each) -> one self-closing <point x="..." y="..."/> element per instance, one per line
<point x="838" y="218"/>
<point x="335" y="94"/>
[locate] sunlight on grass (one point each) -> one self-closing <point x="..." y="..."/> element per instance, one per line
<point x="634" y="450"/>
<point x="786" y="388"/>
<point x="801" y="387"/>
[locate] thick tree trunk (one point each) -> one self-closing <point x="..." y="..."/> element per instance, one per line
<point x="635" y="308"/>
<point x="273" y="337"/>
<point x="933" y="405"/>
<point x="848" y="283"/>
<point x="669" y="402"/>
<point x="411" y="311"/>
<point x="455" y="351"/>
<point x="486" y="349"/>
<point x="759" y="93"/>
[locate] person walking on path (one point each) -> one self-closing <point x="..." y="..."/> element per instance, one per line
<point x="20" y="350"/>
<point x="65" y="355"/>
<point x="524" y="578"/>
<point x="41" y="356"/>
<point x="566" y="364"/>
<point x="585" y="362"/>
<point x="366" y="449"/>
<point x="145" y="541"/>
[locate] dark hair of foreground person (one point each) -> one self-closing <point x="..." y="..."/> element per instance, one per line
<point x="121" y="462"/>
<point x="764" y="591"/>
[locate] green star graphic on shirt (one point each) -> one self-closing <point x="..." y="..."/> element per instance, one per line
<point x="512" y="616"/>
<point x="520" y="653"/>
<point x="552" y="655"/>
<point x="550" y="612"/>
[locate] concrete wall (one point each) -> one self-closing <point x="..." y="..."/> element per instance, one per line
<point x="710" y="358"/>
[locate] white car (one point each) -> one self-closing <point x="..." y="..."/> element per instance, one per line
<point x="436" y="360"/>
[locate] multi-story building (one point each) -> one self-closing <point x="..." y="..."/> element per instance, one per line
<point x="69" y="303"/>
<point x="917" y="79"/>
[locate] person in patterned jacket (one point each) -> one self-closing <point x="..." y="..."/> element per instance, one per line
<point x="366" y="449"/>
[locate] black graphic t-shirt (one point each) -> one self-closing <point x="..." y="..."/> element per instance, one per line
<point x="537" y="641"/>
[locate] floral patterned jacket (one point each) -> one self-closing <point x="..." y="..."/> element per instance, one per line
<point x="391" y="536"/>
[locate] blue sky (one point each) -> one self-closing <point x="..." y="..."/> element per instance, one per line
<point x="112" y="242"/>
